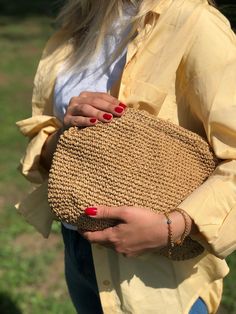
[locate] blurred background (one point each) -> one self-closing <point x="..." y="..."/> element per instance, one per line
<point x="31" y="268"/>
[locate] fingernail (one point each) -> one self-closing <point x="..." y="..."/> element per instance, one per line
<point x="93" y="120"/>
<point x="107" y="116"/>
<point x="119" y="109"/>
<point x="122" y="105"/>
<point x="91" y="211"/>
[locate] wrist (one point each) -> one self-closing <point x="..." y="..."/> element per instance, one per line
<point x="178" y="225"/>
<point x="183" y="225"/>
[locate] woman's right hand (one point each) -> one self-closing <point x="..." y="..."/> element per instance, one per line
<point x="90" y="107"/>
<point x="85" y="110"/>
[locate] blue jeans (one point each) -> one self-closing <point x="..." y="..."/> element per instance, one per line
<point x="81" y="279"/>
<point x="80" y="274"/>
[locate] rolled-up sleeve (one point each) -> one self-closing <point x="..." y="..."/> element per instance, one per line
<point x="42" y="123"/>
<point x="209" y="68"/>
<point x="37" y="129"/>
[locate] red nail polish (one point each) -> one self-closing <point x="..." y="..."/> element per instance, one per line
<point x="91" y="211"/>
<point x="122" y="105"/>
<point x="119" y="109"/>
<point x="93" y="120"/>
<point x="107" y="116"/>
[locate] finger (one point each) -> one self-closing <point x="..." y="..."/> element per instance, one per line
<point x="80" y="121"/>
<point x="105" y="96"/>
<point x="96" y="99"/>
<point x="101" y="237"/>
<point x="105" y="212"/>
<point x="82" y="114"/>
<point x="86" y="110"/>
<point x="84" y="106"/>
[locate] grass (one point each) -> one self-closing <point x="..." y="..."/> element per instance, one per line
<point x="31" y="268"/>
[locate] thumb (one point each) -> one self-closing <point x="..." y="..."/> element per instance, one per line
<point x="105" y="212"/>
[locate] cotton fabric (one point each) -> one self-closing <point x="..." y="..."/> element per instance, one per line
<point x="183" y="71"/>
<point x="81" y="279"/>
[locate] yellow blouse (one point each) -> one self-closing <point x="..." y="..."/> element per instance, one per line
<point x="184" y="71"/>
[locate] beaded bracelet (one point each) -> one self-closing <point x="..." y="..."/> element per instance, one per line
<point x="186" y="227"/>
<point x="170" y="233"/>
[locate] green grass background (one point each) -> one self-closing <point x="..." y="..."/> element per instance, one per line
<point x="31" y="268"/>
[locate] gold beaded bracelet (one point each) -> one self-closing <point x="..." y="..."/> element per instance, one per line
<point x="171" y="243"/>
<point x="186" y="227"/>
<point x="170" y="234"/>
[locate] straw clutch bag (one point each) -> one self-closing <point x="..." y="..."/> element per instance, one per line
<point x="135" y="160"/>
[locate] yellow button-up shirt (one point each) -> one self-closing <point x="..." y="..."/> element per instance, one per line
<point x="183" y="70"/>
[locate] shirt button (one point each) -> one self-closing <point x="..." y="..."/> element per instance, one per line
<point x="106" y="282"/>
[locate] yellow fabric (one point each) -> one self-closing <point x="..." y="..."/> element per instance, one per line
<point x="199" y="96"/>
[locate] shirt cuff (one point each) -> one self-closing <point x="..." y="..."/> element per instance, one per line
<point x="37" y="128"/>
<point x="36" y="210"/>
<point x="212" y="207"/>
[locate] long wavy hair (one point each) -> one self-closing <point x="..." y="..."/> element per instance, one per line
<point x="86" y="22"/>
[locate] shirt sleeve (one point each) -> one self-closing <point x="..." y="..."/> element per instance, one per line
<point x="37" y="129"/>
<point x="42" y="123"/>
<point x="209" y="68"/>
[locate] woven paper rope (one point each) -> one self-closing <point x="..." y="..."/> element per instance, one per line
<point x="135" y="160"/>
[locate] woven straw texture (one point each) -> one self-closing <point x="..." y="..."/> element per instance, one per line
<point x="135" y="160"/>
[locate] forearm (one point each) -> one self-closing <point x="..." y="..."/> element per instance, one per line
<point x="49" y="148"/>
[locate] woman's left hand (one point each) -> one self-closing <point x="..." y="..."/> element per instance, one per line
<point x="139" y="230"/>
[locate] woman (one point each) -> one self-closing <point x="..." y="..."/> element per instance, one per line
<point x="176" y="60"/>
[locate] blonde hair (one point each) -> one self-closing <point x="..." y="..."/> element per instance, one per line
<point x="86" y="22"/>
